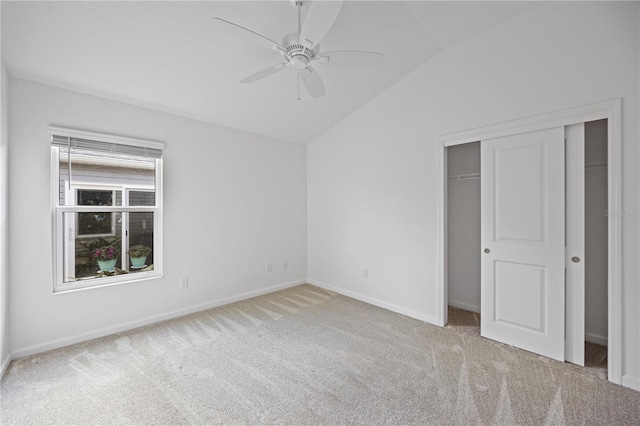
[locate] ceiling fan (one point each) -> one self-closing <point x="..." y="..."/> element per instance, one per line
<point x="302" y="49"/>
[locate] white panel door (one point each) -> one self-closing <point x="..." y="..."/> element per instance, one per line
<point x="523" y="241"/>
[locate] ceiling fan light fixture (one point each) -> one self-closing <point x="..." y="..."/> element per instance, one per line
<point x="299" y="62"/>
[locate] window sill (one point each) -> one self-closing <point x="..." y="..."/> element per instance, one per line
<point x="105" y="282"/>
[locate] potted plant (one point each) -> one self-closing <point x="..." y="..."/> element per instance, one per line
<point x="138" y="255"/>
<point x="107" y="256"/>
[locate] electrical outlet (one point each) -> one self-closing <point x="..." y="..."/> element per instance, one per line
<point x="269" y="267"/>
<point x="365" y="273"/>
<point x="285" y="264"/>
<point x="184" y="282"/>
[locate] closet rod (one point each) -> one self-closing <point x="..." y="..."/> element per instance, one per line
<point x="478" y="175"/>
<point x="463" y="177"/>
<point x="595" y="165"/>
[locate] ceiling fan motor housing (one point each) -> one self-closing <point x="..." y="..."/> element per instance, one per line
<point x="298" y="55"/>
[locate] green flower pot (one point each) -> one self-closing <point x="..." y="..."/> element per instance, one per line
<point x="138" y="262"/>
<point x="107" y="265"/>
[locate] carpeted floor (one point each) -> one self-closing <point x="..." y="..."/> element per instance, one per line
<point x="468" y="323"/>
<point x="305" y="356"/>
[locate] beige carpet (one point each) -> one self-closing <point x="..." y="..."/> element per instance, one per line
<point x="305" y="356"/>
<point x="468" y="323"/>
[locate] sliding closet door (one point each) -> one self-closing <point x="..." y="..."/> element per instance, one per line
<point x="523" y="241"/>
<point x="575" y="243"/>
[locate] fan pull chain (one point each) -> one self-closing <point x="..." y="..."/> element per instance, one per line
<point x="299" y="84"/>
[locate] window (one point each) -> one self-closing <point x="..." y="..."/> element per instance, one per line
<point x="107" y="194"/>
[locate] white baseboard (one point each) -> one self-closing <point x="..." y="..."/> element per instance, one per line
<point x="464" y="306"/>
<point x="376" y="302"/>
<point x="5" y="365"/>
<point x="594" y="338"/>
<point x="55" y="344"/>
<point x="631" y="382"/>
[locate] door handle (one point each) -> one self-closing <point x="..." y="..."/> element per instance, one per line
<point x="575" y="259"/>
<point x="487" y="251"/>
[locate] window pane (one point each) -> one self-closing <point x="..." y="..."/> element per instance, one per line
<point x="90" y="256"/>
<point x="95" y="224"/>
<point x="142" y="198"/>
<point x="141" y="234"/>
<point x="89" y="197"/>
<point x="141" y="227"/>
<point x="87" y="257"/>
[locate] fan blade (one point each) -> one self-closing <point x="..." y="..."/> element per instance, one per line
<point x="263" y="73"/>
<point x="247" y="34"/>
<point x="319" y="20"/>
<point x="313" y="82"/>
<point x="352" y="59"/>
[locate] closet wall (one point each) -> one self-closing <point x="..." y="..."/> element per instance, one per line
<point x="595" y="156"/>
<point x="463" y="224"/>
<point x="463" y="228"/>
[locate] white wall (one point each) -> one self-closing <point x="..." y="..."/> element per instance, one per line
<point x="373" y="178"/>
<point x="4" y="221"/>
<point x="232" y="202"/>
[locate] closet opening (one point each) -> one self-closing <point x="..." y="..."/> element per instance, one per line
<point x="596" y="248"/>
<point x="464" y="251"/>
<point x="463" y="235"/>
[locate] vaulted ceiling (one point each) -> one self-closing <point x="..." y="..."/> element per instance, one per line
<point x="169" y="56"/>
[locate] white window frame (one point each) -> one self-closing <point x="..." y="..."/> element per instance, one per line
<point x="57" y="214"/>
